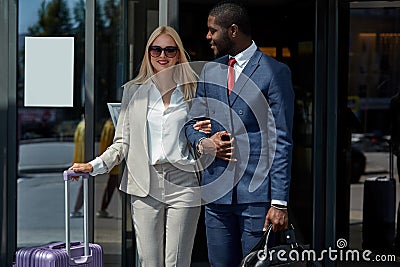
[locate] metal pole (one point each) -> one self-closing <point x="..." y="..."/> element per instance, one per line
<point x="332" y="127"/>
<point x="319" y="127"/>
<point x="8" y="134"/>
<point x="90" y="97"/>
<point x="163" y="12"/>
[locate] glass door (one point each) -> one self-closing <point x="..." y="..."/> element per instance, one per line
<point x="109" y="75"/>
<point x="373" y="83"/>
<point x="51" y="139"/>
<point x="45" y="135"/>
<point x="141" y="18"/>
<point x="285" y="31"/>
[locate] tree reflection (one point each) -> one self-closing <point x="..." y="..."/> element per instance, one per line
<point x="54" y="20"/>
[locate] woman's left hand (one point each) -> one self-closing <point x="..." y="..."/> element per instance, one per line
<point x="203" y="126"/>
<point x="80" y="167"/>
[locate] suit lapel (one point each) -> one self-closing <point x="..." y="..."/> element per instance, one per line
<point x="244" y="77"/>
<point x="221" y="81"/>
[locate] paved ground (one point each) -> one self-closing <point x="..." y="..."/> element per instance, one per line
<point x="41" y="212"/>
<point x="377" y="165"/>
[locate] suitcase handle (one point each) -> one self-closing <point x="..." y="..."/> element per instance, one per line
<point x="68" y="174"/>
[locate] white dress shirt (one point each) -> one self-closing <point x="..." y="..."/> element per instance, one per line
<point x="243" y="58"/>
<point x="165" y="135"/>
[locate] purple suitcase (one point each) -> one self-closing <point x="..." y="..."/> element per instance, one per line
<point x="64" y="254"/>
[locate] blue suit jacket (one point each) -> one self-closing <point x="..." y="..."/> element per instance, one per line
<point x="259" y="114"/>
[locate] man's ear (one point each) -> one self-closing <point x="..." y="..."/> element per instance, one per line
<point x="233" y="30"/>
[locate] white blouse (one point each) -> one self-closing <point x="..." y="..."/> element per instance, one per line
<point x="165" y="131"/>
<point x="165" y="128"/>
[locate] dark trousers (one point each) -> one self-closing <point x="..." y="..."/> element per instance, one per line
<point x="232" y="231"/>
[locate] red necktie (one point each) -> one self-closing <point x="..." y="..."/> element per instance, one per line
<point x="231" y="74"/>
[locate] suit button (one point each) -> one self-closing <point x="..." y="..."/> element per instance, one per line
<point x="240" y="112"/>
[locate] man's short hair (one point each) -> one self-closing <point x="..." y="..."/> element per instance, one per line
<point x="227" y="13"/>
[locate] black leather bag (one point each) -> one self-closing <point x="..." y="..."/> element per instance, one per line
<point x="262" y="255"/>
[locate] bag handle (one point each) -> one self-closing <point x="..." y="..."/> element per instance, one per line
<point x="289" y="237"/>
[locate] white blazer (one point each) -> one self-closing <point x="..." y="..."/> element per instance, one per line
<point x="130" y="142"/>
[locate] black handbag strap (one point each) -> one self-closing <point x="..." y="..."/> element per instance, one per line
<point x="290" y="237"/>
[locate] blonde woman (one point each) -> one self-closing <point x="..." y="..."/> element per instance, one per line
<point x="149" y="135"/>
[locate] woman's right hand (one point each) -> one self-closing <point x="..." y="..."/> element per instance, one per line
<point x="80" y="167"/>
<point x="203" y="126"/>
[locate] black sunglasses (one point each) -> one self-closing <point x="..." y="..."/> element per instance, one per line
<point x="169" y="51"/>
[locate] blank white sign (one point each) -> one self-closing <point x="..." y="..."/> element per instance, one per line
<point x="49" y="71"/>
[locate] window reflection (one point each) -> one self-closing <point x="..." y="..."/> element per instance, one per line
<point x="46" y="135"/>
<point x="374" y="64"/>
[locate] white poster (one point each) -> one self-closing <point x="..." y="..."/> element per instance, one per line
<point x="49" y="71"/>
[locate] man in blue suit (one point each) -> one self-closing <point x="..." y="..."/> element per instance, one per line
<point x="248" y="154"/>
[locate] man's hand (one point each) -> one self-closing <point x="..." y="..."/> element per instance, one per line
<point x="80" y="167"/>
<point x="278" y="217"/>
<point x="220" y="145"/>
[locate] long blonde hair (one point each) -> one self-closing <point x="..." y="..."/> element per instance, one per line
<point x="183" y="73"/>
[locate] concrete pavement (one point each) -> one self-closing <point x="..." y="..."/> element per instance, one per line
<point x="41" y="212"/>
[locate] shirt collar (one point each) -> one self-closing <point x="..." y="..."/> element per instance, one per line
<point x="176" y="96"/>
<point x="245" y="55"/>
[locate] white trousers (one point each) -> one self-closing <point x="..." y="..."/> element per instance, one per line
<point x="165" y="221"/>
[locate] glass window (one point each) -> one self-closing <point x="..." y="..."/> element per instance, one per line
<point x="121" y="32"/>
<point x="109" y="77"/>
<point x="51" y="139"/>
<point x="46" y="134"/>
<point x="373" y="81"/>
